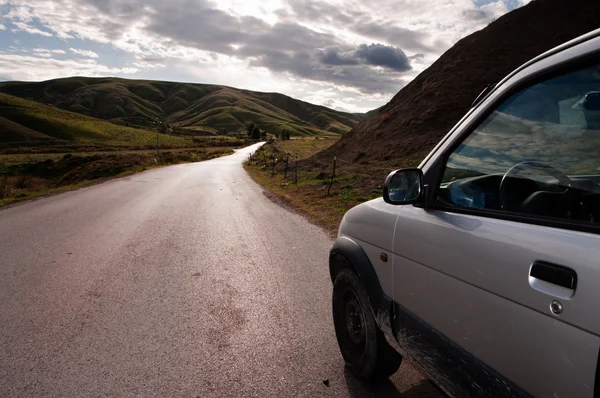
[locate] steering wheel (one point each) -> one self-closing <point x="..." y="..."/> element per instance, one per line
<point x="508" y="203"/>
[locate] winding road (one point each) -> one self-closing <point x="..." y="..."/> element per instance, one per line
<point x="183" y="281"/>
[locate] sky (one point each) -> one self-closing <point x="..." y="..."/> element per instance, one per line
<point x="350" y="55"/>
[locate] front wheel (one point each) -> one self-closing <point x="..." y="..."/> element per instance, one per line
<point x="361" y="342"/>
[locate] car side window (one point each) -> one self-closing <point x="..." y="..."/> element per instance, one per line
<point x="538" y="153"/>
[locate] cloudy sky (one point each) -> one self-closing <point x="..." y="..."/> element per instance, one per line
<point x="346" y="54"/>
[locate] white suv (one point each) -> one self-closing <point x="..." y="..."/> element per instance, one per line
<point x="482" y="266"/>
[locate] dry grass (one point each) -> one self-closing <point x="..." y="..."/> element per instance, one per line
<point x="30" y="179"/>
<point x="352" y="185"/>
<point x="305" y="147"/>
<point x="19" y="158"/>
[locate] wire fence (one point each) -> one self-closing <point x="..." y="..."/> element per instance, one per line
<point x="287" y="164"/>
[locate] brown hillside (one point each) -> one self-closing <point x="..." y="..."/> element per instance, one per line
<point x="427" y="108"/>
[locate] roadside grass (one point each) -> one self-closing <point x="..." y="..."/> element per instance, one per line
<point x="305" y="147"/>
<point x="19" y="158"/>
<point x="23" y="177"/>
<point x="353" y="183"/>
<point x="309" y="195"/>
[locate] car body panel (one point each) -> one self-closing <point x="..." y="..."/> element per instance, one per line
<point x="496" y="256"/>
<point x="457" y="372"/>
<point x="372" y="223"/>
<point x="468" y="277"/>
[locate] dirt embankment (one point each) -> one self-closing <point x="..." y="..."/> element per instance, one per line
<point x="427" y="108"/>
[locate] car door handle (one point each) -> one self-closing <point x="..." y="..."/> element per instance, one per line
<point x="555" y="274"/>
<point x="553" y="279"/>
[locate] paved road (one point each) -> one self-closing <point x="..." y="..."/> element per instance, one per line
<point x="183" y="281"/>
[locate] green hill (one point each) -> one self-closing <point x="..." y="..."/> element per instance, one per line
<point x="29" y="123"/>
<point x="196" y="108"/>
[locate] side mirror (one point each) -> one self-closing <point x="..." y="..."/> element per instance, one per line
<point x="403" y="187"/>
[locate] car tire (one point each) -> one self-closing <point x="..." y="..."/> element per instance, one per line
<point x="363" y="345"/>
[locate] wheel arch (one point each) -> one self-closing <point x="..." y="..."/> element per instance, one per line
<point x="347" y="254"/>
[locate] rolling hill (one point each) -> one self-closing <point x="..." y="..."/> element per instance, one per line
<point x="403" y="131"/>
<point x="196" y="108"/>
<point x="29" y="123"/>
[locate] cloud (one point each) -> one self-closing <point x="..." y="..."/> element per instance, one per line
<point x="84" y="53"/>
<point x="28" y="67"/>
<point x="43" y="52"/>
<point x="487" y="12"/>
<point x="2" y="27"/>
<point x="381" y="55"/>
<point x="320" y="11"/>
<point x="336" y="56"/>
<point x="372" y="54"/>
<point x="362" y="77"/>
<point x="22" y="26"/>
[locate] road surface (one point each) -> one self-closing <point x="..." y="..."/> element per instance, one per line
<point x="184" y="281"/>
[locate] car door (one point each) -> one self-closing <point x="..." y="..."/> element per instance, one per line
<point x="497" y="277"/>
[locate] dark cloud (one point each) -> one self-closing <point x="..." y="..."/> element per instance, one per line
<point x="372" y="54"/>
<point x="386" y="56"/>
<point x="335" y="56"/>
<point x="304" y="65"/>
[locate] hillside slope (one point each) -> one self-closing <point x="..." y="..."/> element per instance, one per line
<point x="203" y="108"/>
<point x="406" y="128"/>
<point x="29" y="123"/>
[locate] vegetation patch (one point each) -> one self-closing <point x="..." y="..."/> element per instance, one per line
<point x="305" y="184"/>
<point x="23" y="177"/>
<point x="180" y="108"/>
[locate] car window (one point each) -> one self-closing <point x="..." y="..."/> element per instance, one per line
<point x="537" y="153"/>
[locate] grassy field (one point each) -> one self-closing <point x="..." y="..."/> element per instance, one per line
<point x="206" y="109"/>
<point x="303" y="148"/>
<point x="29" y="123"/>
<point x="353" y="184"/>
<point x="27" y="176"/>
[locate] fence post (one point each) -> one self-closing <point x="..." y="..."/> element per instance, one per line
<point x="272" y="164"/>
<point x="332" y="175"/>
<point x="296" y="171"/>
<point x="287" y="159"/>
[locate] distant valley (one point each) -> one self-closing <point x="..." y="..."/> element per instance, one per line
<point x="189" y="108"/>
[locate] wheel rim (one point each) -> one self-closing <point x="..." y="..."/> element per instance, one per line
<point x="354" y="322"/>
